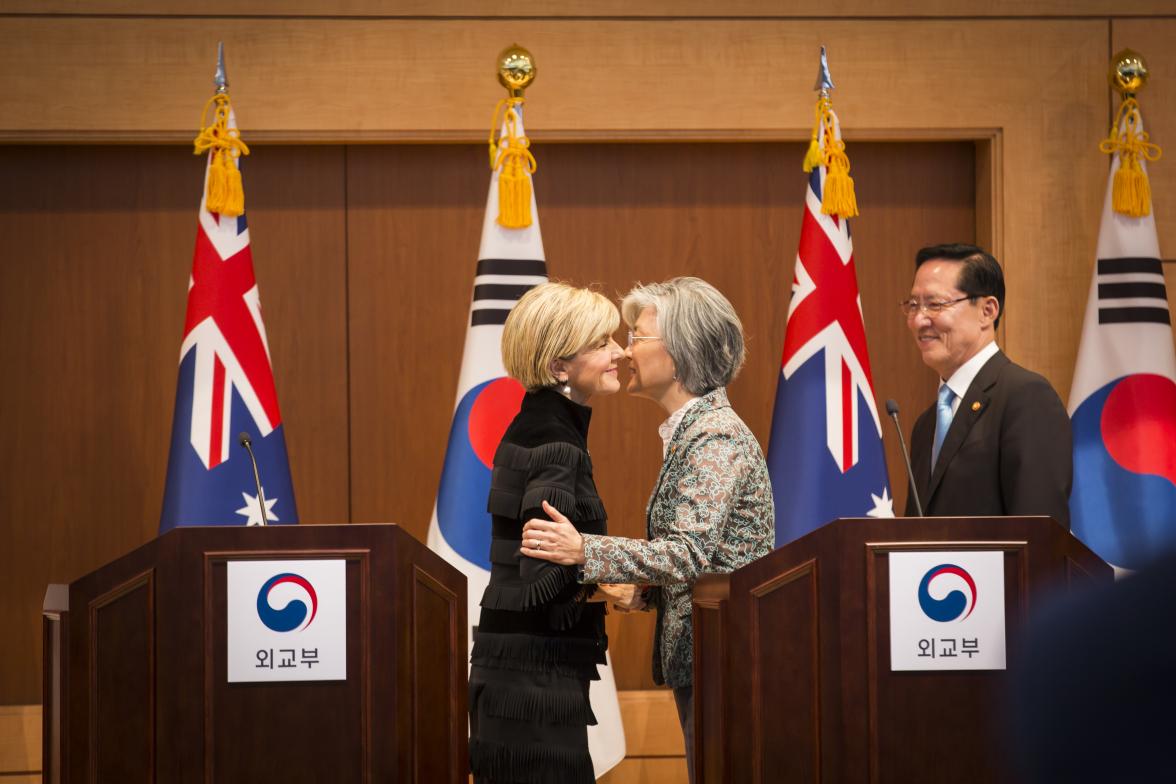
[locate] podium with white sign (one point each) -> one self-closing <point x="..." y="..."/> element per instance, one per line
<point x="873" y="650"/>
<point x="282" y="653"/>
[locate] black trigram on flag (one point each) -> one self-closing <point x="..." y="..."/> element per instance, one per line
<point x="499" y="283"/>
<point x="1131" y="291"/>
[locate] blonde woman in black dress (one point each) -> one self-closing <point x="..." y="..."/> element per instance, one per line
<point x="541" y="633"/>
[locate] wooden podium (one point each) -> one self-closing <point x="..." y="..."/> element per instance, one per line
<point x="792" y="657"/>
<point x="136" y="686"/>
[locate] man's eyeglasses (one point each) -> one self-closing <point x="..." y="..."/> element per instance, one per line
<point x="634" y="338"/>
<point x="911" y="307"/>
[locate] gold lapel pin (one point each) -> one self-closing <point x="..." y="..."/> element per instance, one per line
<point x="976" y="406"/>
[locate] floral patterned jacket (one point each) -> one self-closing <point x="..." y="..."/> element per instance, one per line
<point x="711" y="511"/>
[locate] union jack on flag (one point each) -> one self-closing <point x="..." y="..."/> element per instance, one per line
<point x="226" y="386"/>
<point x="825" y="454"/>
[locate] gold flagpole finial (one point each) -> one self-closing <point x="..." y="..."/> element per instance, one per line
<point x="516" y="69"/>
<point x="1128" y="73"/>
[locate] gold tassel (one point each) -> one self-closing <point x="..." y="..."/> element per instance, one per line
<point x="813" y="158"/>
<point x="1130" y="189"/>
<point x="837" y="196"/>
<point x="234" y="194"/>
<point x="214" y="199"/>
<point x="515" y="165"/>
<point x="225" y="194"/>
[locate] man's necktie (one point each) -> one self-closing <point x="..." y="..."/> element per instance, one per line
<point x="943" y="416"/>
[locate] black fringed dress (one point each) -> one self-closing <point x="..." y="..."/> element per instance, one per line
<point x="539" y="640"/>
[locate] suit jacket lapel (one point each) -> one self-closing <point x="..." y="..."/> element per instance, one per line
<point x="971" y="408"/>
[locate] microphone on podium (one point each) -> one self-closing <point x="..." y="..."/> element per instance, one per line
<point x="892" y="409"/>
<point x="246" y="442"/>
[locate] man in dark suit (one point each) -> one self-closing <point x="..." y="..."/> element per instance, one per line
<point x="997" y="440"/>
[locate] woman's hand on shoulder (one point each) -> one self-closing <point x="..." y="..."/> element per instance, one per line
<point x="555" y="540"/>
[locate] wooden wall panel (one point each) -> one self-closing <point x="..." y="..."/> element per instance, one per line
<point x="92" y="297"/>
<point x="347" y="80"/>
<point x="99" y="248"/>
<point x="20" y="741"/>
<point x="297" y="227"/>
<point x="342" y="79"/>
<point x="866" y="9"/>
<point x="413" y="229"/>
<point x="614" y="215"/>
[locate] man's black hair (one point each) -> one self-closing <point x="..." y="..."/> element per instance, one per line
<point x="981" y="275"/>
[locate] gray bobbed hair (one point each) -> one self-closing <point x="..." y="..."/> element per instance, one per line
<point x="698" y="327"/>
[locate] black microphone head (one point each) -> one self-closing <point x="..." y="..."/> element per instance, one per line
<point x="243" y="439"/>
<point x="892" y="407"/>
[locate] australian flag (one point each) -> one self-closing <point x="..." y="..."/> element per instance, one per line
<point x="1123" y="400"/>
<point x="825" y="455"/>
<point x="226" y="387"/>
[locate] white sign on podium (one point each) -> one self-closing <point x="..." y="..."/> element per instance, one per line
<point x="287" y="620"/>
<point x="947" y="610"/>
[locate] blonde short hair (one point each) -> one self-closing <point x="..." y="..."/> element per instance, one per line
<point x="699" y="329"/>
<point x="553" y="321"/>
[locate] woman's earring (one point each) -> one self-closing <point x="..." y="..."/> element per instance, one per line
<point x="566" y="389"/>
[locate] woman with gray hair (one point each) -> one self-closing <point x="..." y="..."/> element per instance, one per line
<point x="711" y="509"/>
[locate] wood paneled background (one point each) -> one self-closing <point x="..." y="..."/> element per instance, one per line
<point x="668" y="143"/>
<point x="365" y="256"/>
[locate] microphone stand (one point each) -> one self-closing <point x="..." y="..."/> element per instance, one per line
<point x="892" y="409"/>
<point x="248" y="444"/>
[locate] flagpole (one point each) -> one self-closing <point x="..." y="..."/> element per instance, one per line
<point x="220" y="80"/>
<point x="824" y="80"/>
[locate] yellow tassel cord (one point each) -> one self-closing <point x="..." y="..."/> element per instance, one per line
<point x="813" y="158"/>
<point x="838" y="197"/>
<point x="1130" y="191"/>
<point x="225" y="195"/>
<point x="514" y="164"/>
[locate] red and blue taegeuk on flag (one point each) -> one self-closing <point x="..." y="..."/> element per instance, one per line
<point x="226" y="386"/>
<point x="825" y="455"/>
<point x="1123" y="398"/>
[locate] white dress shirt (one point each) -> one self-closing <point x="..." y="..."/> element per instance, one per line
<point x="966" y="374"/>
